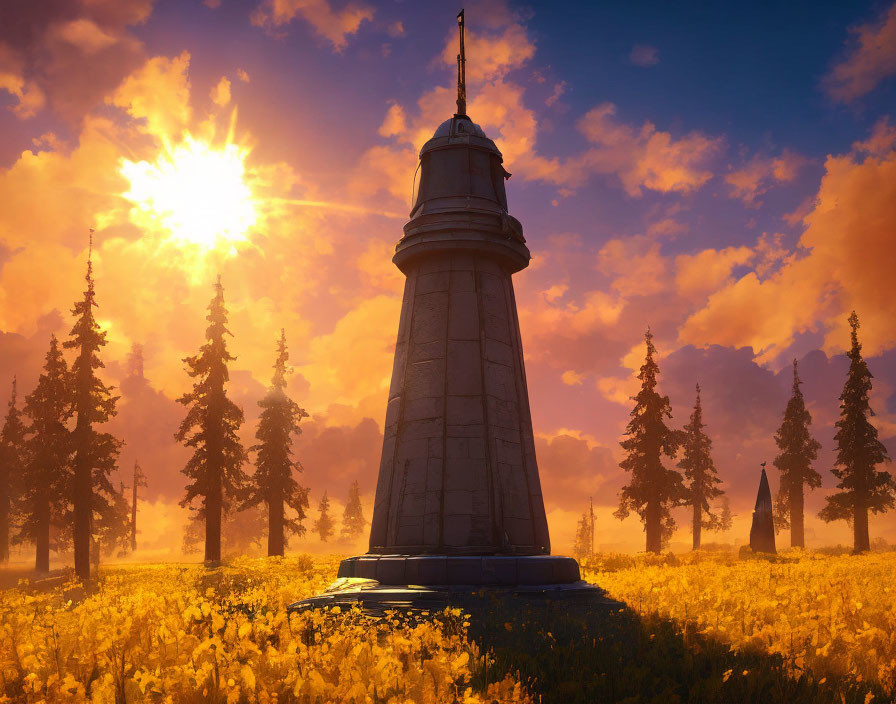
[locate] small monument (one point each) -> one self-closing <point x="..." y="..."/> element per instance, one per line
<point x="762" y="533"/>
<point x="458" y="500"/>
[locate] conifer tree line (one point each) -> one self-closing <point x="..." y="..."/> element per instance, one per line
<point x="654" y="489"/>
<point x="56" y="460"/>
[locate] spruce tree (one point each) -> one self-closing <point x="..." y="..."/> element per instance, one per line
<point x="863" y="488"/>
<point x="95" y="453"/>
<point x="323" y="526"/>
<point x="700" y="471"/>
<point x="798" y="449"/>
<point x="210" y="429"/>
<point x="353" y="520"/>
<point x="46" y="472"/>
<point x="653" y="489"/>
<point x="12" y="440"/>
<point x="273" y="481"/>
<point x="139" y="480"/>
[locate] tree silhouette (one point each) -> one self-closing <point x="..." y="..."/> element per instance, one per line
<point x="210" y="429"/>
<point x="798" y="450"/>
<point x="353" y="520"/>
<point x="12" y="440"/>
<point x="583" y="547"/>
<point x="46" y="472"/>
<point x="111" y="529"/>
<point x="653" y="489"/>
<point x="95" y="453"/>
<point x="701" y="473"/>
<point x="273" y="481"/>
<point x="862" y="487"/>
<point x="139" y="480"/>
<point x="323" y="526"/>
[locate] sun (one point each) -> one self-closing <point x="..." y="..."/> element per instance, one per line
<point x="195" y="191"/>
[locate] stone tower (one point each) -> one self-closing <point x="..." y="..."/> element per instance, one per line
<point x="458" y="499"/>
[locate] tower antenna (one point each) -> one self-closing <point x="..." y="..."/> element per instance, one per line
<point x="461" y="69"/>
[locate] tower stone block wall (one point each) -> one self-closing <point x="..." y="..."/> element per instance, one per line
<point x="458" y="473"/>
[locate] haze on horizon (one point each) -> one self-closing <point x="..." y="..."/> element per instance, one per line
<point x="726" y="175"/>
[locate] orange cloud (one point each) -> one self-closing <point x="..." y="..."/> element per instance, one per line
<point x="159" y="94"/>
<point x="870" y="58"/>
<point x="334" y="26"/>
<point x="220" y="94"/>
<point x="844" y="263"/>
<point x="31" y="98"/>
<point x="72" y="54"/>
<point x="640" y="157"/>
<point x="699" y="274"/>
<point x="761" y="173"/>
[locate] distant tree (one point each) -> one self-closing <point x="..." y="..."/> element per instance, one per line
<point x="353" y="520"/>
<point x="323" y="526"/>
<point x="273" y="481"/>
<point x="45" y="486"/>
<point x="111" y="530"/>
<point x="583" y="547"/>
<point x="653" y="489"/>
<point x="139" y="480"/>
<point x="863" y="488"/>
<point x="210" y="429"/>
<point x="95" y="453"/>
<point x="241" y="531"/>
<point x="798" y="449"/>
<point x="700" y="471"/>
<point x="12" y="454"/>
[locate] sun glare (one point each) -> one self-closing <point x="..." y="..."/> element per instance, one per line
<point x="195" y="191"/>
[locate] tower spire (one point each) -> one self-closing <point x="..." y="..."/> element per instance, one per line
<point x="461" y="69"/>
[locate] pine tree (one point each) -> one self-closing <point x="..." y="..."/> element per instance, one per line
<point x="96" y="453"/>
<point x="583" y="547"/>
<point x="323" y="526"/>
<point x="700" y="471"/>
<point x="273" y="481"/>
<point x="653" y="489"/>
<point x="210" y="428"/>
<point x="12" y="440"/>
<point x="139" y="480"/>
<point x="46" y="473"/>
<point x="862" y="487"/>
<point x="798" y="450"/>
<point x="353" y="520"/>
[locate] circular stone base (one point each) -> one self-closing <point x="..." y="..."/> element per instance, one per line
<point x="450" y="570"/>
<point x="376" y="599"/>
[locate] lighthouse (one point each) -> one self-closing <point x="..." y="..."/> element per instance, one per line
<point x="458" y="497"/>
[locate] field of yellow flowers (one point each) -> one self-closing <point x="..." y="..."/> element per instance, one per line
<point x="711" y="627"/>
<point x="831" y="615"/>
<point x="184" y="633"/>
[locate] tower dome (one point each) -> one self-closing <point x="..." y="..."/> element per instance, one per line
<point x="460" y="168"/>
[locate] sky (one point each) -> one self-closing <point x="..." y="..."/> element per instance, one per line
<point x="724" y="173"/>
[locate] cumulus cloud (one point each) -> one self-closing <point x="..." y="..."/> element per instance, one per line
<point x="870" y="58"/>
<point x="220" y="94"/>
<point x="640" y="157"/>
<point x="760" y="174"/>
<point x="333" y="25"/>
<point x="68" y="55"/>
<point x="843" y="263"/>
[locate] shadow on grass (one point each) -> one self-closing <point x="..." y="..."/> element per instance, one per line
<point x="582" y="650"/>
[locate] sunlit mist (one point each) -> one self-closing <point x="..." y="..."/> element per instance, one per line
<point x="195" y="191"/>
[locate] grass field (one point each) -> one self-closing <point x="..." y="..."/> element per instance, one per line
<point x="707" y="628"/>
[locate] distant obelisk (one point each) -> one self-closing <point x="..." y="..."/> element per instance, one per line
<point x="762" y="532"/>
<point x="458" y="500"/>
